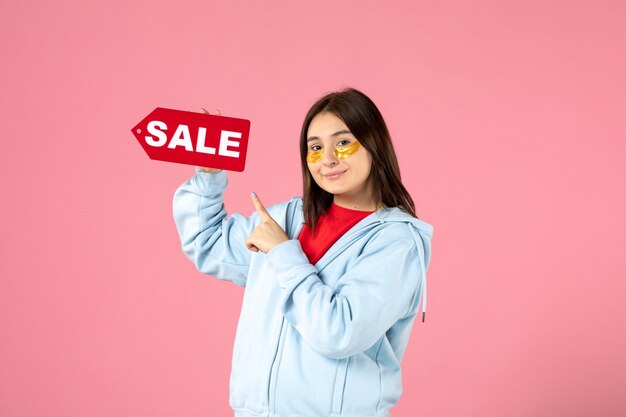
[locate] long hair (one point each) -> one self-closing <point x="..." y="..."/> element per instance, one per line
<point x="364" y="120"/>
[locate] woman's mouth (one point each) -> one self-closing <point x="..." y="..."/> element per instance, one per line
<point x="334" y="175"/>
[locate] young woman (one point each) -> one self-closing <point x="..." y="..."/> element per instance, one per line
<point x="333" y="280"/>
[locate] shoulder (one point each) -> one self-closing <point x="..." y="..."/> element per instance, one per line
<point x="395" y="216"/>
<point x="397" y="225"/>
<point x="391" y="236"/>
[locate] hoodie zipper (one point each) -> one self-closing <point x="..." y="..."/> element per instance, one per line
<point x="271" y="386"/>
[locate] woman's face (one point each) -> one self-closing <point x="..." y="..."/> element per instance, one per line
<point x="338" y="163"/>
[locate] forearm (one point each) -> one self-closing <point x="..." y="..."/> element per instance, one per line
<point x="341" y="321"/>
<point x="207" y="238"/>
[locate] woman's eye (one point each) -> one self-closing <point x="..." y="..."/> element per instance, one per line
<point x="343" y="142"/>
<point x="316" y="148"/>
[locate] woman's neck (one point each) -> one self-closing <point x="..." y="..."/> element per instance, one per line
<point x="360" y="204"/>
<point x="361" y="199"/>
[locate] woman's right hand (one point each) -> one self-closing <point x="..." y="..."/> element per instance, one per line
<point x="205" y="169"/>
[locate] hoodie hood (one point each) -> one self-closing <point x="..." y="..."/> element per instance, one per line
<point x="422" y="233"/>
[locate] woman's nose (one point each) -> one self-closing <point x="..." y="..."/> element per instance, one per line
<point x="329" y="158"/>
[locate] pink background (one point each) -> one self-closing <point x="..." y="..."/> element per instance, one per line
<point x="509" y="121"/>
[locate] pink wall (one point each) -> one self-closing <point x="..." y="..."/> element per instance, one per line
<point x="509" y="120"/>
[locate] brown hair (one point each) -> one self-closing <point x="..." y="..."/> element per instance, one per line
<point x="366" y="123"/>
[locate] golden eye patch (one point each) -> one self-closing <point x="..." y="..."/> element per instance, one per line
<point x="341" y="152"/>
<point x="314" y="156"/>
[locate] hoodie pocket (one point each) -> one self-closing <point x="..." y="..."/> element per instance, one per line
<point x="340" y="385"/>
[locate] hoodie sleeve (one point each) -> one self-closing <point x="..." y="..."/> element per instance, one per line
<point x="382" y="287"/>
<point x="214" y="243"/>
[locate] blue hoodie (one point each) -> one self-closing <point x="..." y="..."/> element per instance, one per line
<point x="312" y="340"/>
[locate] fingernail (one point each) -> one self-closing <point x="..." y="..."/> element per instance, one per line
<point x="253" y="194"/>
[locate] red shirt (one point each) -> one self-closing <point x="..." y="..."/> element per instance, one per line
<point x="330" y="227"/>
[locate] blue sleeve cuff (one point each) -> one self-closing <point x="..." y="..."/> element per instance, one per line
<point x="208" y="182"/>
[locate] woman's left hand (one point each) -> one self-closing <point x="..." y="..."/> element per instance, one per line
<point x="266" y="235"/>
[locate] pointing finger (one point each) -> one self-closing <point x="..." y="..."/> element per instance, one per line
<point x="260" y="208"/>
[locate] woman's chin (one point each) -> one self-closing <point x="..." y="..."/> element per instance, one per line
<point x="334" y="190"/>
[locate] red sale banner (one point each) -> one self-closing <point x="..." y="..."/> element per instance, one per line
<point x="194" y="138"/>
